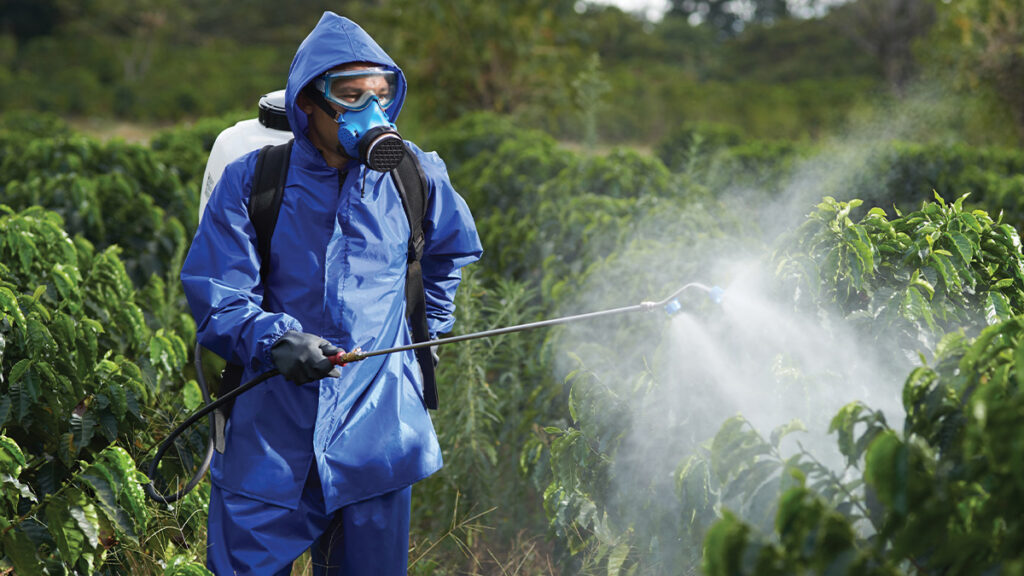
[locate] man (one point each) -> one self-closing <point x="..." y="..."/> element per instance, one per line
<point x="319" y="457"/>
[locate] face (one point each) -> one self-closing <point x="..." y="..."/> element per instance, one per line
<point x="323" y="130"/>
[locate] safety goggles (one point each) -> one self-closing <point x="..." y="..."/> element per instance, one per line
<point x="355" y="89"/>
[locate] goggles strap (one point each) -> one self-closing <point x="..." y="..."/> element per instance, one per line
<point x="313" y="94"/>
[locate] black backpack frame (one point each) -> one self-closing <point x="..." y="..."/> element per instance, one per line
<point x="269" y="178"/>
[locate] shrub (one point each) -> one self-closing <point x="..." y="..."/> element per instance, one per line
<point x="83" y="379"/>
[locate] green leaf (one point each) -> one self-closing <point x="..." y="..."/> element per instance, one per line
<point x="971" y="222"/>
<point x="862" y="246"/>
<point x="65" y="280"/>
<point x="86" y="518"/>
<point x="916" y="307"/>
<point x="950" y="278"/>
<point x="118" y="399"/>
<point x="21" y="551"/>
<point x="9" y="305"/>
<point x="617" y="558"/>
<point x="192" y="395"/>
<point x="725" y="546"/>
<point x="886" y="471"/>
<point x="781" y="432"/>
<point x="131" y="497"/>
<point x="1018" y="361"/>
<point x="66" y="449"/>
<point x="22" y="401"/>
<point x="572" y="403"/>
<point x="26" y="251"/>
<point x="997" y="308"/>
<point x="843" y="423"/>
<point x="14" y="491"/>
<point x="19" y="370"/>
<point x="1011" y="236"/>
<point x="12" y="459"/>
<point x="64" y="528"/>
<point x="105" y="489"/>
<point x="108" y="425"/>
<point x="83" y="426"/>
<point x="962" y="247"/>
<point x="39" y="337"/>
<point x="750" y="479"/>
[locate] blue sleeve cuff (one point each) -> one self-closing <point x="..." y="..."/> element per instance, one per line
<point x="262" y="360"/>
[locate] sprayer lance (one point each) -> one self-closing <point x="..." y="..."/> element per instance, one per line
<point x="670" y="305"/>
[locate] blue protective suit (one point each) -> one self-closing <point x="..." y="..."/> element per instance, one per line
<point x="337" y="270"/>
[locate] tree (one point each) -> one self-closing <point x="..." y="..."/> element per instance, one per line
<point x="145" y="24"/>
<point x="25" y="19"/>
<point x="886" y="30"/>
<point x="728" y="17"/>
<point x="476" y="55"/>
<point x="991" y="37"/>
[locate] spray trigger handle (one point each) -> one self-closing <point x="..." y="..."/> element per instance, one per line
<point x="342" y="358"/>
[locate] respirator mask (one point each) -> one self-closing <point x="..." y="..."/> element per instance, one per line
<point x="364" y="130"/>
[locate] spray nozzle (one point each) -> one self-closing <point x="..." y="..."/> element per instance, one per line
<point x="716" y="294"/>
<point x="672" y="306"/>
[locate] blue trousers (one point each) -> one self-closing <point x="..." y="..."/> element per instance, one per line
<point x="246" y="536"/>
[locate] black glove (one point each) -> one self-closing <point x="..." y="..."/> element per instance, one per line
<point x="302" y="357"/>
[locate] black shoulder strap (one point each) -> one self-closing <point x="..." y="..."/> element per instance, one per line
<point x="412" y="186"/>
<point x="268" y="182"/>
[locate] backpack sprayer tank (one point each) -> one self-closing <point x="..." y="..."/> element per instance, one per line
<point x="271" y="127"/>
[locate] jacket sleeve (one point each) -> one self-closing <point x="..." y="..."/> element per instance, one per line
<point x="221" y="277"/>
<point x="450" y="242"/>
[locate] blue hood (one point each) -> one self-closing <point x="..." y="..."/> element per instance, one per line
<point x="335" y="41"/>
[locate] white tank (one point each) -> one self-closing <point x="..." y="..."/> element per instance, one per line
<point x="271" y="127"/>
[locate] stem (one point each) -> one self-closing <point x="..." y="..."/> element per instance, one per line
<point x="34" y="509"/>
<point x="835" y="479"/>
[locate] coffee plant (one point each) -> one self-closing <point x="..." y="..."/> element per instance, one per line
<point x="83" y="378"/>
<point x="111" y="193"/>
<point x="911" y="279"/>
<point x="942" y="496"/>
<point x="904" y="282"/>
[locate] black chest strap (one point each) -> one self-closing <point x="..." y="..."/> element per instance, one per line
<point x="269" y="178"/>
<point x="412" y="187"/>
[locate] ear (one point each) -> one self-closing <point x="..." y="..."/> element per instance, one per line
<point x="304" y="103"/>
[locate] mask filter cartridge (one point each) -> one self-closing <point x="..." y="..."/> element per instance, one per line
<point x="381" y="149"/>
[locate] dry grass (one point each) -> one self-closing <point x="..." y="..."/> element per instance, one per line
<point x="466" y="548"/>
<point x="107" y="129"/>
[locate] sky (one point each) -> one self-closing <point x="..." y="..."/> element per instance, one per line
<point x="652" y="8"/>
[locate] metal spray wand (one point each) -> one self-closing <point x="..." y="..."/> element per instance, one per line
<point x="670" y="305"/>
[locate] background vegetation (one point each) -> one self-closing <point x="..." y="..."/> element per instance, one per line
<point x="757" y="67"/>
<point x="868" y="158"/>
